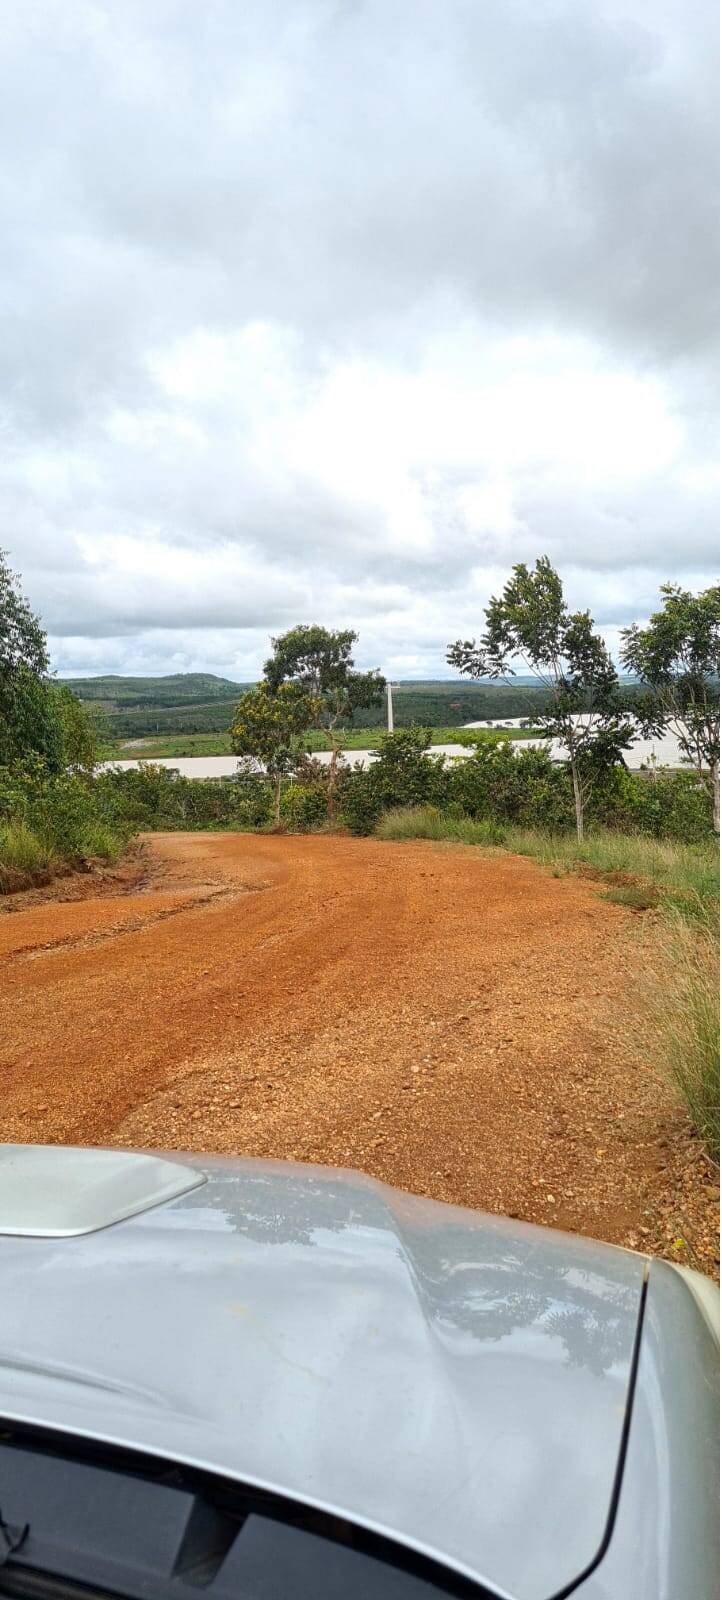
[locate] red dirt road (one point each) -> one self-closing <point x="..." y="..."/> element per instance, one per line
<point x="457" y="1023"/>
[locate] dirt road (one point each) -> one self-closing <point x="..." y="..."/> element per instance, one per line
<point x="459" y="1024"/>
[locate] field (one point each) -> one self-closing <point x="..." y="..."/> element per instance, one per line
<point x="219" y="744"/>
<point x="196" y="703"/>
<point x="457" y="1022"/>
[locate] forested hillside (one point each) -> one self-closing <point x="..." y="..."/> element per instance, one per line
<point x="199" y="702"/>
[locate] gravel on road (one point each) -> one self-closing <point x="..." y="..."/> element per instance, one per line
<point x="456" y="1022"/>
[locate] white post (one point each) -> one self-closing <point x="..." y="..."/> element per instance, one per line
<point x="389" y="709"/>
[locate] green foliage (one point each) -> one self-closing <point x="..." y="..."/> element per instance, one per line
<point x="158" y="798"/>
<point x="319" y="661"/>
<point x="50" y="819"/>
<point x="428" y="822"/>
<point x="22" y="637"/>
<point x="585" y="710"/>
<point x="523" y="787"/>
<point x="667" y="805"/>
<point x="677" y="658"/>
<point x="24" y="857"/>
<point x="402" y="774"/>
<point x="303" y="806"/>
<point x="267" y="727"/>
<point x="39" y="719"/>
<point x="78" y="729"/>
<point x="508" y="785"/>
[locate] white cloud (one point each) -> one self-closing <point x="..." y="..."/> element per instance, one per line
<point x="330" y="310"/>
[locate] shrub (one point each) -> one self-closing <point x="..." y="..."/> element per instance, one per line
<point x="401" y="775"/>
<point x="154" y="798"/>
<point x="303" y="805"/>
<point x="667" y="805"/>
<point x="506" y="785"/>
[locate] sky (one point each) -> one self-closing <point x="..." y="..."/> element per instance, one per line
<point x="332" y="310"/>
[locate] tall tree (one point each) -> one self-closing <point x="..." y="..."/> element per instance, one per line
<point x="268" y="724"/>
<point x="530" y="623"/>
<point x="38" y="717"/>
<point x="677" y="659"/>
<point x="319" y="660"/>
<point x="26" y="720"/>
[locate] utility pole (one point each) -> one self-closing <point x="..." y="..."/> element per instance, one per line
<point x="389" y="709"/>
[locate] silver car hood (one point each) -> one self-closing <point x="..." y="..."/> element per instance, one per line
<point x="455" y="1380"/>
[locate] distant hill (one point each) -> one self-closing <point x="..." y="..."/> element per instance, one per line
<point x="201" y="702"/>
<point x="179" y="688"/>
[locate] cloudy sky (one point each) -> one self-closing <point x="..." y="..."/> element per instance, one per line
<point x="330" y="310"/>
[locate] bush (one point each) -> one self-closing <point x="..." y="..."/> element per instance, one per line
<point x="49" y="819"/>
<point x="303" y="805"/>
<point x="401" y="775"/>
<point x="507" y="785"/>
<point x="667" y="805"/>
<point x="155" y="798"/>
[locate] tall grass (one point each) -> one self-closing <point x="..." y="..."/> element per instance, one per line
<point x="684" y="1008"/>
<point x="101" y="843"/>
<point x="29" y="856"/>
<point x="685" y="877"/>
<point x="428" y="822"/>
<point x="24" y="855"/>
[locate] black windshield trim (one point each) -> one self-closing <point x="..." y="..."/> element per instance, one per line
<point x="226" y="1495"/>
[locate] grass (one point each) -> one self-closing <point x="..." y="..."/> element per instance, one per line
<point x="679" y="881"/>
<point x="674" y="876"/>
<point x="640" y="871"/>
<point x="636" y="896"/>
<point x="101" y="843"/>
<point x="24" y="856"/>
<point x="427" y="822"/>
<point x="219" y="744"/>
<point x="684" y="1008"/>
<point x="27" y="858"/>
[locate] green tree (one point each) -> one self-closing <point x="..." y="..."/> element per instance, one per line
<point x="24" y="720"/>
<point x="531" y="623"/>
<point x="320" y="662"/>
<point x="78" y="729"/>
<point x="677" y="658"/>
<point x="268" y="725"/>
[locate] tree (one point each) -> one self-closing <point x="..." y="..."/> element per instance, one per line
<point x="38" y="717"/>
<point x="319" y="661"/>
<point x="23" y="664"/>
<point x="677" y="659"/>
<point x="530" y="622"/>
<point x="268" y="724"/>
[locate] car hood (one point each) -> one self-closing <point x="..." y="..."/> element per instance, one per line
<point x="455" y="1380"/>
